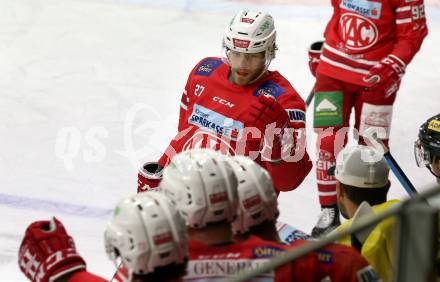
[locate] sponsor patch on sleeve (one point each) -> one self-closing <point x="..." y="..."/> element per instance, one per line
<point x="266" y="252"/>
<point x="296" y="115"/>
<point x="325" y="257"/>
<point x="208" y="66"/>
<point x="269" y="88"/>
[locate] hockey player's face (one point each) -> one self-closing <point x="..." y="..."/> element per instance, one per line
<point x="246" y="67"/>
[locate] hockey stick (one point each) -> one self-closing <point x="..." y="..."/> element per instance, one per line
<point x="116" y="272"/>
<point x="401" y="176"/>
<point x="310" y="97"/>
<point x="313" y="245"/>
<point x="371" y="135"/>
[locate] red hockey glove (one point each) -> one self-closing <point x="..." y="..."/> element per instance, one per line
<point x="47" y="252"/>
<point x="149" y="177"/>
<point x="315" y="51"/>
<point x="385" y="75"/>
<point x="268" y="116"/>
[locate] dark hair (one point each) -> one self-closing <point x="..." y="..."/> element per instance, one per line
<point x="260" y="229"/>
<point x="372" y="196"/>
<point x="165" y="273"/>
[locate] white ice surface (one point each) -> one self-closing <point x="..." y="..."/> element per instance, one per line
<point x="79" y="77"/>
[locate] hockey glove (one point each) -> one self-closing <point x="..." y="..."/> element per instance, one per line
<point x="47" y="252"/>
<point x="268" y="116"/>
<point x="149" y="177"/>
<point x="315" y="51"/>
<point x="385" y="76"/>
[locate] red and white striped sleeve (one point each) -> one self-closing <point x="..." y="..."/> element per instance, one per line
<point x="411" y="29"/>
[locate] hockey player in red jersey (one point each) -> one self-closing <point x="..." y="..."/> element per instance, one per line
<point x="236" y="105"/>
<point x="257" y="215"/>
<point x="146" y="234"/>
<point x="367" y="46"/>
<point x="203" y="186"/>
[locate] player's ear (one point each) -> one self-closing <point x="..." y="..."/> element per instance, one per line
<point x="340" y="192"/>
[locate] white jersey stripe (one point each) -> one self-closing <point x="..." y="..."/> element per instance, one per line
<point x="346" y="56"/>
<point x="403" y="9"/>
<point x="403" y="21"/>
<point x="343" y="66"/>
<point x="326" y="182"/>
<point x="327" y="193"/>
<point x="398" y="59"/>
<point x="183" y="106"/>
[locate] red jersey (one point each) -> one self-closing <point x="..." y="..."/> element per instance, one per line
<point x="362" y="32"/>
<point x="213" y="111"/>
<point x="215" y="263"/>
<point x="121" y="275"/>
<point x="341" y="263"/>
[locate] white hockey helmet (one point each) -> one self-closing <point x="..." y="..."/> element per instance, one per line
<point x="145" y="232"/>
<point x="202" y="185"/>
<point x="257" y="197"/>
<point x="251" y="32"/>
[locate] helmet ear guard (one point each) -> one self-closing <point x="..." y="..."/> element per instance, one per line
<point x="257" y="196"/>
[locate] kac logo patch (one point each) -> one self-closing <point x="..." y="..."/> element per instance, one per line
<point x="357" y="32"/>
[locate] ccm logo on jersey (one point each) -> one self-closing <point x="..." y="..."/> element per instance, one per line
<point x="223" y="102"/>
<point x="296" y="115"/>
